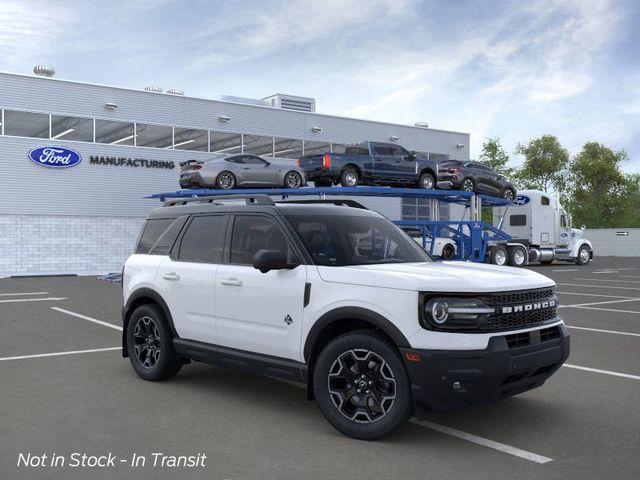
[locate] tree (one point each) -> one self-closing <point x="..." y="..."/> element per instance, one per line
<point x="495" y="157"/>
<point x="545" y="164"/>
<point x="600" y="195"/>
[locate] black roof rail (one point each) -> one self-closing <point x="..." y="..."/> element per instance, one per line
<point x="259" y="199"/>
<point x="337" y="201"/>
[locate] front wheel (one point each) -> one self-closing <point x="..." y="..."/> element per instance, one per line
<point x="361" y="385"/>
<point x="584" y="255"/>
<point x="468" y="185"/>
<point x="150" y="344"/>
<point x="427" y="181"/>
<point x="508" y="194"/>
<point x="448" y="252"/>
<point x="293" y="180"/>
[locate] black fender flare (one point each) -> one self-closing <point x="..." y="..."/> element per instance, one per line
<point x="430" y="170"/>
<point x="140" y="294"/>
<point x="352" y="313"/>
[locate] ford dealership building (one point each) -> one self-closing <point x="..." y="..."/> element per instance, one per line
<point x="77" y="160"/>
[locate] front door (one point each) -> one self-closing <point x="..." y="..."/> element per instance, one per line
<point x="259" y="312"/>
<point x="187" y="280"/>
<point x="259" y="171"/>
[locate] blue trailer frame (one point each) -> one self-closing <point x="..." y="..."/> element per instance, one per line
<point x="472" y="237"/>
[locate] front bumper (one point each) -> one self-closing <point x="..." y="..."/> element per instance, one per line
<point x="445" y="380"/>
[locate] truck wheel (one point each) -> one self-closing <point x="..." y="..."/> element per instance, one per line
<point x="468" y="185"/>
<point x="150" y="344"/>
<point x="448" y="252"/>
<point x="226" y="180"/>
<point x="517" y="256"/>
<point x="362" y="386"/>
<point x="584" y="255"/>
<point x="427" y="181"/>
<point x="349" y="178"/>
<point x="499" y="255"/>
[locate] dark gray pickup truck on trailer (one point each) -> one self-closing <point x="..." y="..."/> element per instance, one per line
<point x="371" y="163"/>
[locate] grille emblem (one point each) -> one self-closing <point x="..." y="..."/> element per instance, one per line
<point x="529" y="307"/>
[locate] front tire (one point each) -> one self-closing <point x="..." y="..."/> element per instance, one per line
<point x="293" y="180"/>
<point x="448" y="252"/>
<point x="468" y="185"/>
<point x="150" y="344"/>
<point x="508" y="194"/>
<point x="584" y="255"/>
<point x="362" y="386"/>
<point x="226" y="180"/>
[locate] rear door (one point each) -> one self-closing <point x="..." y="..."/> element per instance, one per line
<point x="383" y="160"/>
<point x="187" y="277"/>
<point x="259" y="312"/>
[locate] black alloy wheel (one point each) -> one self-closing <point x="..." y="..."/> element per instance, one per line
<point x="226" y="180"/>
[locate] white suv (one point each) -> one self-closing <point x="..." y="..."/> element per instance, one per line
<point x="339" y="298"/>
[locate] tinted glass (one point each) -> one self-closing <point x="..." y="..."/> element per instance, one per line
<point x="238" y="159"/>
<point x="338" y="147"/>
<point x="190" y="139"/>
<point x="357" y="151"/>
<point x="151" y="233"/>
<point x="226" y="142"/>
<point x="258" y="145"/>
<point x="203" y="241"/>
<point x="382" y="150"/>
<point x="163" y="245"/>
<point x="518" y="220"/>
<point x="544" y="201"/>
<point x="115" y="133"/>
<point x="287" y="148"/>
<point x="337" y="240"/>
<point x="157" y="136"/>
<point x="26" y="124"/>
<point x="71" y="128"/>
<point x="252" y="233"/>
<point x="251" y="160"/>
<point x="316" y="148"/>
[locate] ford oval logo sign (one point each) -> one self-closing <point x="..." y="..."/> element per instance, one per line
<point x="55" y="157"/>
<point x="521" y="200"/>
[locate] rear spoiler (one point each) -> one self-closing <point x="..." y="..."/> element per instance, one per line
<point x="189" y="162"/>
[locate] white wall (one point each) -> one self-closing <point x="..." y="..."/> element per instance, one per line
<point x="607" y="242"/>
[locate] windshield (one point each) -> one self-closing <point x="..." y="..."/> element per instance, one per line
<point x="338" y="240"/>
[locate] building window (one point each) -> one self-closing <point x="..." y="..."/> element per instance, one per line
<point x="287" y="148"/>
<point x="71" y="128"/>
<point x="225" y="142"/>
<point x="26" y="124"/>
<point x="338" y="147"/>
<point x="316" y="148"/>
<point x="258" y="145"/>
<point x="157" y="136"/>
<point x="115" y="133"/>
<point x="190" y="139"/>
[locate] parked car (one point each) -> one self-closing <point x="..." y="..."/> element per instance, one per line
<point x="371" y="163"/>
<point x="241" y="170"/>
<point x="443" y="247"/>
<point x="340" y="299"/>
<point x="475" y="177"/>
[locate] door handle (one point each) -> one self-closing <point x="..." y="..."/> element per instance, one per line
<point x="171" y="276"/>
<point x="232" y="282"/>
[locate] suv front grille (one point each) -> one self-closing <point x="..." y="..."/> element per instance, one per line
<point x="522" y="319"/>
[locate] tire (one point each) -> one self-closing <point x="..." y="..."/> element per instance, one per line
<point x="499" y="255"/>
<point x="226" y="180"/>
<point x="468" y="185"/>
<point x="389" y="402"/>
<point x="427" y="182"/>
<point x="509" y="194"/>
<point x="584" y="255"/>
<point x="517" y="257"/>
<point x="448" y="252"/>
<point x="150" y="344"/>
<point x="292" y="180"/>
<point x="349" y="177"/>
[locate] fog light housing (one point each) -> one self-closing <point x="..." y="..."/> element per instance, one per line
<point x="455" y="313"/>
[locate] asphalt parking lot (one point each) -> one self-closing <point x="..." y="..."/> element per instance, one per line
<point x="65" y="388"/>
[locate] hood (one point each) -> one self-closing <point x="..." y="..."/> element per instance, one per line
<point x="460" y="277"/>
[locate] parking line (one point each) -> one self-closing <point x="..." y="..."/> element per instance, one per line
<point x="533" y="457"/>
<point x="58" y="354"/>
<point x="629" y="276"/>
<point x="17" y="300"/>
<point x="597" y="286"/>
<point x="616" y="332"/>
<point x="599" y="303"/>
<point x="607" y="280"/>
<point x="592" y="294"/>
<point x="89" y="319"/>
<point x="609" y="310"/>
<point x="606" y="372"/>
<point x="567" y="270"/>
<point x="23" y="293"/>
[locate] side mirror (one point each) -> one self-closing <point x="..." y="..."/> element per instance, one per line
<point x="265" y="260"/>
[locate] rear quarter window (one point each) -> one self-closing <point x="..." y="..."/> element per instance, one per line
<point x="151" y="232"/>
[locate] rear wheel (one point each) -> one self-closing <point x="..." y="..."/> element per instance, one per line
<point x="468" y="185"/>
<point x="150" y="344"/>
<point x="517" y="256"/>
<point x="427" y="181"/>
<point x="226" y="180"/>
<point x="448" y="252"/>
<point x="361" y="385"/>
<point x="349" y="178"/>
<point x="499" y="255"/>
<point x="584" y="255"/>
<point x="293" y="180"/>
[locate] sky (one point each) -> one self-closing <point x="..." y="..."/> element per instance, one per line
<point x="514" y="70"/>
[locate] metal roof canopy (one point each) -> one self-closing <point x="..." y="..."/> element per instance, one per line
<point x="449" y="196"/>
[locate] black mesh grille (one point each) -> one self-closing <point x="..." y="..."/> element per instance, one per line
<point x="515" y="320"/>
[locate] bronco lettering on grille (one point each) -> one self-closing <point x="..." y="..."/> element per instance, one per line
<point x="528" y="307"/>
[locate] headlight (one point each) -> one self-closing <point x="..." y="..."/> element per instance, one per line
<point x="455" y="313"/>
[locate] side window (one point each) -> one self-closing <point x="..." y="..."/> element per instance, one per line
<point x="381" y="150"/>
<point x="398" y="151"/>
<point x="203" y="241"/>
<point x="168" y="238"/>
<point x="518" y="220"/>
<point x="253" y="160"/>
<point x="238" y="159"/>
<point x="544" y="201"/>
<point x="252" y="233"/>
<point x="151" y="233"/>
<point x="563" y="221"/>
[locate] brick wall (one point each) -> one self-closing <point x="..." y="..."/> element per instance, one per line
<point x="611" y="242"/>
<point x="52" y="244"/>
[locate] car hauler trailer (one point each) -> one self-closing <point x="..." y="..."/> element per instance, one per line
<point x="539" y="225"/>
<point x="472" y="236"/>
